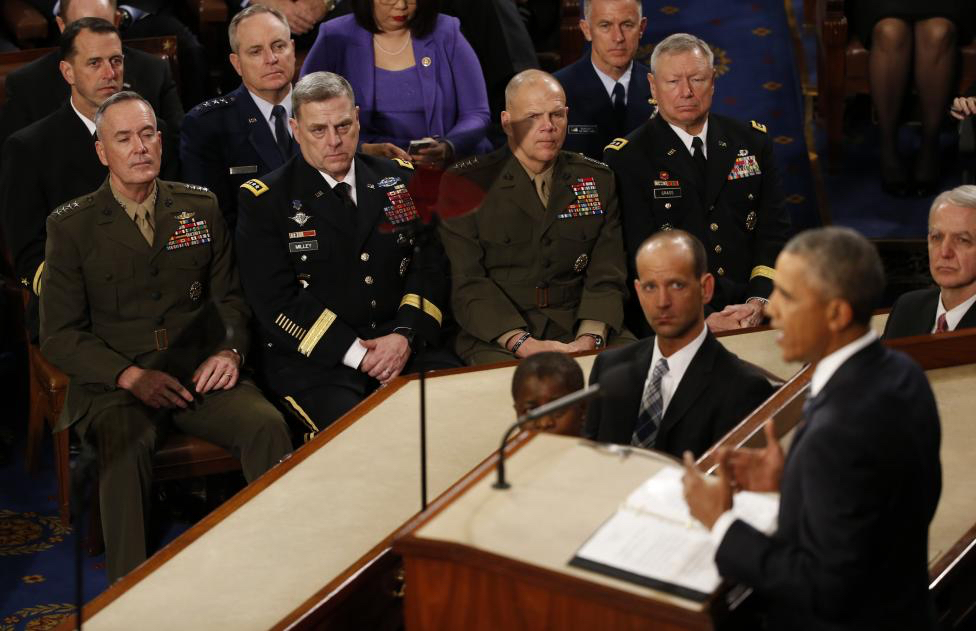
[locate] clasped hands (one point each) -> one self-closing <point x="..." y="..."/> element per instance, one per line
<point x="385" y="357"/>
<point x="531" y="346"/>
<point x="736" y="317"/>
<point x="158" y="389"/>
<point x="738" y="470"/>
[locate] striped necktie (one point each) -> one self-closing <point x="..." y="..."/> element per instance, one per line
<point x="651" y="409"/>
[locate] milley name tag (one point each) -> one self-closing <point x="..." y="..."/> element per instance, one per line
<point x="303" y="246"/>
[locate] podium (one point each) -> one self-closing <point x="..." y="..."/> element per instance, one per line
<point x="484" y="559"/>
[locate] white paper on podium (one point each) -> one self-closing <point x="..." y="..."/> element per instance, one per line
<point x="653" y="536"/>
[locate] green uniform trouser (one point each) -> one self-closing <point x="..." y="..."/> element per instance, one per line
<point x="241" y="420"/>
<point x="476" y="352"/>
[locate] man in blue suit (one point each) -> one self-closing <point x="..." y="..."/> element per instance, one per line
<point x="607" y="91"/>
<point x="245" y="134"/>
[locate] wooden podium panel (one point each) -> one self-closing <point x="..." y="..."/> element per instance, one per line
<point x="486" y="559"/>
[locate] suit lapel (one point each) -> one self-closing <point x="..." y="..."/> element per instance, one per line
<point x="423" y="50"/>
<point x="518" y="189"/>
<point x="259" y="133"/>
<point x="561" y="192"/>
<point x="370" y="203"/>
<point x="667" y="148"/>
<point x="692" y="384"/>
<point x="721" y="158"/>
<point x="968" y="320"/>
<point x="115" y="224"/>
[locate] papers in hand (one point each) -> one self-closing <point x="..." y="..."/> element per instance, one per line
<point x="653" y="540"/>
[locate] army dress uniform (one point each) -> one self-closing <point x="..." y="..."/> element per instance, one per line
<point x="737" y="212"/>
<point x="112" y="300"/>
<point x="516" y="264"/>
<point x="225" y="142"/>
<point x="320" y="274"/>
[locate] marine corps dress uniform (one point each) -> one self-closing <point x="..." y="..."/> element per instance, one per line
<point x="112" y="300"/>
<point x="736" y="210"/>
<point x="519" y="264"/>
<point x="319" y="274"/>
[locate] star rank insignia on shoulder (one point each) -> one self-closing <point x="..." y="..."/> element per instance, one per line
<point x="758" y="126"/>
<point x="212" y="104"/>
<point x="404" y="163"/>
<point x="68" y="208"/>
<point x="466" y="163"/>
<point x="588" y="160"/>
<point x="255" y="187"/>
<point x="617" y="144"/>
<point x="193" y="188"/>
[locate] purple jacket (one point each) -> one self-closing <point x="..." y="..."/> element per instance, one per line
<point x="455" y="98"/>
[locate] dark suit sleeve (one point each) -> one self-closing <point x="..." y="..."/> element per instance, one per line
<point x="170" y="108"/>
<point x="23" y="211"/>
<point x="823" y="570"/>
<point x="594" y="411"/>
<point x="773" y="226"/>
<point x="15" y="115"/>
<point x="66" y="336"/>
<point x="425" y="292"/>
<point x="201" y="163"/>
<point x="291" y="317"/>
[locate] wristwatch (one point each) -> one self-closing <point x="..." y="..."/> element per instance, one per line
<point x="600" y="342"/>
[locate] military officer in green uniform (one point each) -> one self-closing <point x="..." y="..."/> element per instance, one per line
<point x="539" y="265"/>
<point x="142" y="309"/>
<point x="706" y="174"/>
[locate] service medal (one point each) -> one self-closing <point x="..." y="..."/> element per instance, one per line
<point x="751" y="220"/>
<point x="196" y="290"/>
<point x="404" y="266"/>
<point x="581" y="262"/>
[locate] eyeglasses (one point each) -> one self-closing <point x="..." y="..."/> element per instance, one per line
<point x="390" y="3"/>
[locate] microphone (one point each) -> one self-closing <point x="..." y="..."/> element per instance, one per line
<point x="611" y="384"/>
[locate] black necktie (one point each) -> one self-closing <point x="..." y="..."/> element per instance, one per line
<point x="698" y="154"/>
<point x="282" y="137"/>
<point x="619" y="100"/>
<point x="344" y="192"/>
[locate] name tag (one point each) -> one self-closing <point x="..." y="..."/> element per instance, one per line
<point x="253" y="168"/>
<point x="304" y="234"/>
<point x="582" y="129"/>
<point x="666" y="193"/>
<point x="303" y="246"/>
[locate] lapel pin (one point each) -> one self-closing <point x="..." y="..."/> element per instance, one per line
<point x="672" y="151"/>
<point x="743" y="152"/>
<point x="252" y="120"/>
<point x="426" y="61"/>
<point x="721" y="143"/>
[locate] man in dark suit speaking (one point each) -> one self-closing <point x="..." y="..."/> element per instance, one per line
<point x="686" y="389"/>
<point x="863" y="477"/>
<point x="952" y="262"/>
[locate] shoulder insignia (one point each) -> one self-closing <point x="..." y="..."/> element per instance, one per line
<point x="256" y="187"/>
<point x="590" y="160"/>
<point x="758" y="126"/>
<point x="405" y="164"/>
<point x="618" y="143"/>
<point x="213" y="104"/>
<point x="194" y="187"/>
<point x="467" y="163"/>
<point x="69" y="208"/>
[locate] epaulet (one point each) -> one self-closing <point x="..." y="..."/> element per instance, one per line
<point x="213" y="104"/>
<point x="189" y="189"/>
<point x="406" y="164"/>
<point x="616" y="144"/>
<point x="758" y="126"/>
<point x="582" y="157"/>
<point x="255" y="187"/>
<point x="69" y="208"/>
<point x="466" y="163"/>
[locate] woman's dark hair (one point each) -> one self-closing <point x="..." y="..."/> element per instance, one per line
<point x="421" y="24"/>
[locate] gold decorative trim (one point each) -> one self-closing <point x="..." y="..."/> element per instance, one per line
<point x="764" y="271"/>
<point x="36" y="285"/>
<point x="429" y="308"/>
<point x="305" y="417"/>
<point x="316" y="332"/>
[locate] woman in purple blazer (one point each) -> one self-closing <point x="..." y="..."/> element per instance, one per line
<point x="414" y="75"/>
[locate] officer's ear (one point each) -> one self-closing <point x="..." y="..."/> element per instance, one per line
<point x="650" y="82"/>
<point x="100" y="151"/>
<point x="507" y="122"/>
<point x="708" y="287"/>
<point x="67" y="72"/>
<point x="643" y="25"/>
<point x="585" y="28"/>
<point x="235" y="61"/>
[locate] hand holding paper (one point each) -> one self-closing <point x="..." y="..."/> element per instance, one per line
<point x="707" y="497"/>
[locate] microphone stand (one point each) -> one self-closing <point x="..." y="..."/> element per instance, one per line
<point x="536" y="413"/>
<point x="82" y="477"/>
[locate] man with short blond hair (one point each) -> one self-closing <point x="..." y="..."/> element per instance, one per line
<point x="952" y="262"/>
<point x="244" y="134"/>
<point x="606" y="89"/>
<point x="143" y="311"/>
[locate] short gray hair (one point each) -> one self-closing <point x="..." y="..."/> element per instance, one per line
<point x="249" y="11"/>
<point x="588" y="8"/>
<point x="120" y="97"/>
<point x="681" y="43"/>
<point x="964" y="196"/>
<point x="317" y="87"/>
<point x="845" y="265"/>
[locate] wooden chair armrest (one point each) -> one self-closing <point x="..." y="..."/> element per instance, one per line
<point x="24" y="21"/>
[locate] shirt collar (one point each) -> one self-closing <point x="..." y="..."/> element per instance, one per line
<point x="609" y="82"/>
<point x="954" y="315"/>
<point x="679" y="360"/>
<point x="265" y="107"/>
<point x="130" y="206"/>
<point x="828" y="365"/>
<point x="90" y="124"/>
<point x="687" y="138"/>
<point x="350" y="179"/>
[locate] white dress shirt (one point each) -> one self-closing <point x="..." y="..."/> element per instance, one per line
<point x="356" y="351"/>
<point x="954" y="315"/>
<point x="687" y="138"/>
<point x="609" y="82"/>
<point x="678" y="364"/>
<point x="265" y="108"/>
<point x="90" y="124"/>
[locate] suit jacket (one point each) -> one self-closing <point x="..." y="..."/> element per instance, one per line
<point x="44" y="165"/>
<point x="737" y="212"/>
<point x="225" y="142"/>
<point x="38" y="89"/>
<point x="716" y="392"/>
<point x="860" y="486"/>
<point x="592" y="124"/>
<point x="319" y="282"/>
<point x="111" y="300"/>
<point x="511" y="250"/>
<point x="914" y="314"/>
<point x="455" y="99"/>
